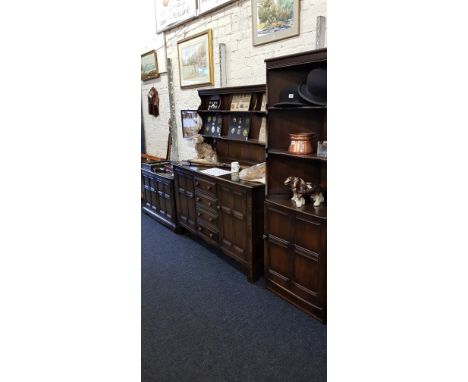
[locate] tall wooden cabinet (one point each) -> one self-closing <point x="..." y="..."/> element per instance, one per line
<point x="295" y="238"/>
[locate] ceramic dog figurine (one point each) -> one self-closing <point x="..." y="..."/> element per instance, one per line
<point x="300" y="188"/>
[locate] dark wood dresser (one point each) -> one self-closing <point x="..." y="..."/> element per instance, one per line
<point x="224" y="211"/>
<point x="295" y="238"/>
<point x="158" y="197"/>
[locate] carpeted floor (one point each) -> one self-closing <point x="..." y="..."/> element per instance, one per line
<point x="202" y="321"/>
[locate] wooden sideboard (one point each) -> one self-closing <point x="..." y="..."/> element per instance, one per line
<point x="158" y="199"/>
<point x="224" y="211"/>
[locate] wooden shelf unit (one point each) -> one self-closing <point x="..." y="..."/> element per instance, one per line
<point x="295" y="238"/>
<point x="250" y="151"/>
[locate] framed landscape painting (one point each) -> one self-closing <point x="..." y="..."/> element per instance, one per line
<point x="149" y="65"/>
<point x="274" y="20"/>
<point x="196" y="60"/>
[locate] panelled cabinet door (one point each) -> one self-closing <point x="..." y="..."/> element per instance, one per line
<point x="146" y="191"/>
<point x="278" y="259"/>
<point x="185" y="200"/>
<point x="307" y="277"/>
<point x="234" y="225"/>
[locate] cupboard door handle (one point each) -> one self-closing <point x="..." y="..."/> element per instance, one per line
<point x="218" y="207"/>
<point x="200" y="228"/>
<point x="210" y="219"/>
<point x="209" y="187"/>
<point x="197" y="184"/>
<point x="198" y="199"/>
<point x="211" y="235"/>
<point x="198" y="214"/>
<point x="209" y="203"/>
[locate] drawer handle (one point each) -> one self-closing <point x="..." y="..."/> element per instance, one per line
<point x="209" y="187"/>
<point x="200" y="228"/>
<point x="197" y="183"/>
<point x="211" y="235"/>
<point x="218" y="207"/>
<point x="198" y="214"/>
<point x="198" y="199"/>
<point x="210" y="219"/>
<point x="209" y="203"/>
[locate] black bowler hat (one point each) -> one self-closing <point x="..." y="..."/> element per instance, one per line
<point x="315" y="88"/>
<point x="289" y="97"/>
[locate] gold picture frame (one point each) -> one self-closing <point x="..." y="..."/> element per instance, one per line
<point x="278" y="21"/>
<point x="195" y="58"/>
<point x="149" y="65"/>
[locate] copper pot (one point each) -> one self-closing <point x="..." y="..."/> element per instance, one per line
<point x="301" y="143"/>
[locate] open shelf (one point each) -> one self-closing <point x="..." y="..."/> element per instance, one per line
<point x="233" y="111"/>
<point x="288" y="154"/>
<point x="285" y="201"/>
<point x="250" y="141"/>
<point x="295" y="108"/>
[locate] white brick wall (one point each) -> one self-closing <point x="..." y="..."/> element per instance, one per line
<point x="231" y="25"/>
<point x="156" y="128"/>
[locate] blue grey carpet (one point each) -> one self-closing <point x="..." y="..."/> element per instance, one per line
<point x="202" y="321"/>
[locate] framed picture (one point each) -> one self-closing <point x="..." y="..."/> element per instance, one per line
<point x="196" y="60"/>
<point x="239" y="126"/>
<point x="191" y="123"/>
<point x="241" y="102"/>
<point x="274" y="20"/>
<point x="170" y="13"/>
<point x="149" y="65"/>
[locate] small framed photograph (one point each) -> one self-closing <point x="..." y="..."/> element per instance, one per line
<point x="191" y="123"/>
<point x="149" y="65"/>
<point x="241" y="102"/>
<point x="196" y="60"/>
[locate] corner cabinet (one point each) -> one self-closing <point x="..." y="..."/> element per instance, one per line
<point x="225" y="212"/>
<point x="295" y="237"/>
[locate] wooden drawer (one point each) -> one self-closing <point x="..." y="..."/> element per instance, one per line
<point x="206" y="202"/>
<point x="208" y="217"/>
<point x="208" y="234"/>
<point x="205" y="185"/>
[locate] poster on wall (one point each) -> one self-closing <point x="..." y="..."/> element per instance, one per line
<point x="173" y="12"/>
<point x="208" y="5"/>
<point x="274" y="20"/>
<point x="196" y="60"/>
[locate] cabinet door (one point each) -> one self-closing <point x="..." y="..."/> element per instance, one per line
<point x="185" y="200"/>
<point x="165" y="198"/>
<point x="146" y="183"/>
<point x="308" y="272"/>
<point x="234" y="225"/>
<point x="278" y="256"/>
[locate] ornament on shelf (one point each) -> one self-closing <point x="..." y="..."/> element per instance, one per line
<point x="204" y="150"/>
<point x="300" y="188"/>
